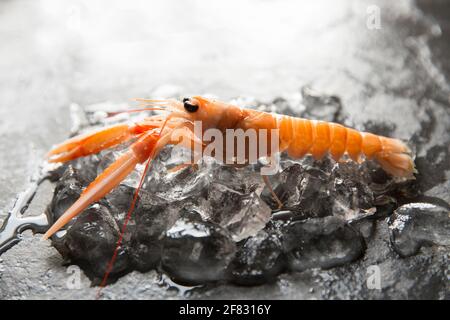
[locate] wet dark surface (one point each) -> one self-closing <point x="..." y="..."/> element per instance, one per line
<point x="390" y="81"/>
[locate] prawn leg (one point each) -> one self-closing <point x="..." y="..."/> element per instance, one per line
<point x="140" y="151"/>
<point x="274" y="195"/>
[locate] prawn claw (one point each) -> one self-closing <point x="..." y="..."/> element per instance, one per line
<point x="91" y="143"/>
<point x="140" y="151"/>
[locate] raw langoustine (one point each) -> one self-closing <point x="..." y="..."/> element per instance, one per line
<point x="296" y="136"/>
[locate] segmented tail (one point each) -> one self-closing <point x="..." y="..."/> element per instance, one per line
<point x="395" y="158"/>
<point x="301" y="136"/>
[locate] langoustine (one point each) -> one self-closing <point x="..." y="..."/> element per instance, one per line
<point x="296" y="136"/>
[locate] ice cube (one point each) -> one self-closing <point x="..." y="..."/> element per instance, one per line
<point x="150" y="222"/>
<point x="243" y="215"/>
<point x="90" y="243"/>
<point x="415" y="225"/>
<point x="258" y="260"/>
<point x="321" y="243"/>
<point x="68" y="189"/>
<point x="196" y="251"/>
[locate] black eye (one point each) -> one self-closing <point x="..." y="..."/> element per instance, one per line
<point x="189" y="106"/>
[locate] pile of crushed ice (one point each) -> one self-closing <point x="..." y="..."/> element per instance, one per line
<point x="220" y="223"/>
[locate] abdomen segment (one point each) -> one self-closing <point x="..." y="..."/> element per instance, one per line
<point x="301" y="136"/>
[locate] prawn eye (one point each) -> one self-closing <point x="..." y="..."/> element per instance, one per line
<point x="189" y="105"/>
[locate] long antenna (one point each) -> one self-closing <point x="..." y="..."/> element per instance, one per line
<point x="127" y="219"/>
<point x="125" y="223"/>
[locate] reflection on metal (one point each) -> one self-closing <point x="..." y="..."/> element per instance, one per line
<point x="17" y="222"/>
